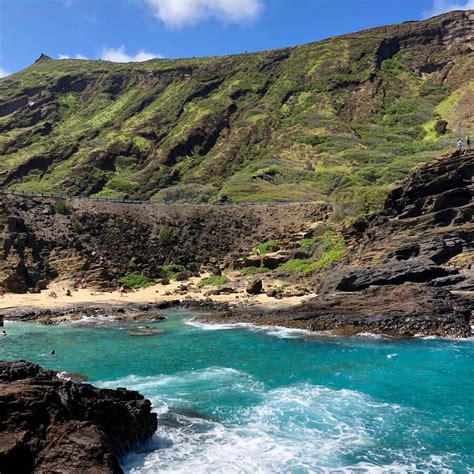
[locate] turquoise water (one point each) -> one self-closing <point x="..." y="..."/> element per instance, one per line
<point x="243" y="400"/>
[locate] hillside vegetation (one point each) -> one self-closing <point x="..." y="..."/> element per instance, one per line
<point x="338" y="120"/>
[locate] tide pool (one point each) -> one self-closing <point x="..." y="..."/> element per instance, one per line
<point x="253" y="400"/>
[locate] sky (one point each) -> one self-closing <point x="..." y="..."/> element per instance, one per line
<point x="138" y="30"/>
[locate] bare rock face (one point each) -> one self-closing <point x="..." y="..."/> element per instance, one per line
<point x="254" y="287"/>
<point x="394" y="310"/>
<point x="103" y="241"/>
<point x="425" y="234"/>
<point x="53" y="425"/>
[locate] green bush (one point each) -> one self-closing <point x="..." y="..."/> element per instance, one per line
<point x="254" y="270"/>
<point x="214" y="280"/>
<point x="331" y="248"/>
<point x="266" y="247"/>
<point x="77" y="227"/>
<point x="166" y="236"/>
<point x="172" y="270"/>
<point x="334" y="250"/>
<point x="296" y="265"/>
<point x="308" y="244"/>
<point x="135" y="281"/>
<point x="60" y="207"/>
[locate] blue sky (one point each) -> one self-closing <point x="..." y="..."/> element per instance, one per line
<point x="124" y="30"/>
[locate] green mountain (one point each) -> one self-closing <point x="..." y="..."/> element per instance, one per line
<point x="337" y="120"/>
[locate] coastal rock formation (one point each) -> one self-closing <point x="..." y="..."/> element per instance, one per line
<point x="425" y="233"/>
<point x="399" y="311"/>
<point x="50" y="424"/>
<point x="103" y="241"/>
<point x="408" y="270"/>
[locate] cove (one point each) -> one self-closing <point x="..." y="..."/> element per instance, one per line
<point x="254" y="400"/>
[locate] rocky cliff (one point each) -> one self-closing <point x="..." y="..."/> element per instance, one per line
<point x="408" y="270"/>
<point x="424" y="234"/>
<point x="49" y="424"/>
<point x="336" y="120"/>
<point x="44" y="240"/>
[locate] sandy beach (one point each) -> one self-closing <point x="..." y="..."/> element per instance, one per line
<point x="153" y="294"/>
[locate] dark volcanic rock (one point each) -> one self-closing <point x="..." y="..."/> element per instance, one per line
<point x="254" y="287"/>
<point x="53" y="425"/>
<point x="425" y="232"/>
<point x="116" y="239"/>
<point x="397" y="310"/>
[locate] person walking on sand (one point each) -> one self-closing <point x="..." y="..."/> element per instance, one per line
<point x="459" y="144"/>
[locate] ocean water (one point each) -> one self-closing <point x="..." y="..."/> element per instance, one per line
<point x="245" y="400"/>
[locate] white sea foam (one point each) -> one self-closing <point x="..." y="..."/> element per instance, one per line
<point x="302" y="428"/>
<point x="371" y="335"/>
<point x="277" y="331"/>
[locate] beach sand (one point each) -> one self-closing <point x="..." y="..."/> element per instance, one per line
<point x="153" y="294"/>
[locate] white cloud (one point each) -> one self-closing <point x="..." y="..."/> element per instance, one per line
<point x="66" y="56"/>
<point x="444" y="6"/>
<point x="3" y="73"/>
<point x="119" y="55"/>
<point x="177" y="13"/>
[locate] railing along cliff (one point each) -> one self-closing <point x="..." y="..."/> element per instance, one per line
<point x="62" y="197"/>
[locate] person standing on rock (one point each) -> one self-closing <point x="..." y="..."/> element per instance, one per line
<point x="468" y="144"/>
<point x="459" y="144"/>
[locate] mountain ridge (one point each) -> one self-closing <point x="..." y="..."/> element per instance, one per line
<point x="337" y="120"/>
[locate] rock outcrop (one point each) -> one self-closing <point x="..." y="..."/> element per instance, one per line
<point x="103" y="241"/>
<point x="399" y="311"/>
<point x="408" y="270"/>
<point x="425" y="233"/>
<point x="49" y="424"/>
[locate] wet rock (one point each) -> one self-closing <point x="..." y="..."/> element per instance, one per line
<point x="397" y="310"/>
<point x="49" y="424"/>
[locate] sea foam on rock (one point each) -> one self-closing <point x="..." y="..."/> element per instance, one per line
<point x="50" y="424"/>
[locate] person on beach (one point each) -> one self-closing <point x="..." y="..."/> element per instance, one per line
<point x="53" y="294"/>
<point x="459" y="144"/>
<point x="468" y="144"/>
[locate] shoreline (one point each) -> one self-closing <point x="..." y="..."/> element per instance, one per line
<point x="338" y="316"/>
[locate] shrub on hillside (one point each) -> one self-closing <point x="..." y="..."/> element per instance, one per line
<point x="135" y="281"/>
<point x="77" y="227"/>
<point x="266" y="247"/>
<point x="60" y="207"/>
<point x="172" y="270"/>
<point x="254" y="270"/>
<point x="167" y="236"/>
<point x="214" y="280"/>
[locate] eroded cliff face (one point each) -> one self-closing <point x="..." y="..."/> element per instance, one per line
<point x="103" y="241"/>
<point x="49" y="424"/>
<point x="425" y="233"/>
<point x="204" y="129"/>
<point x="408" y="271"/>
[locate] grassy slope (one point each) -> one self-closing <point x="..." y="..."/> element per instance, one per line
<point x="336" y="120"/>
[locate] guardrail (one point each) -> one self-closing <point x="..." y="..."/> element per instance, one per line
<point x="62" y="197"/>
